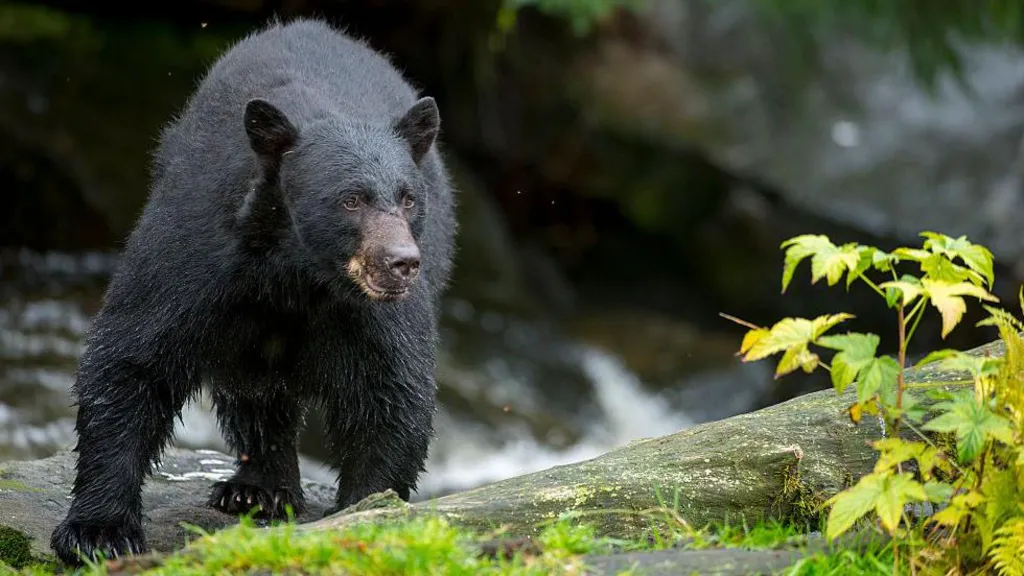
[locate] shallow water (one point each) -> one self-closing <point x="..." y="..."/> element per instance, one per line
<point x="513" y="398"/>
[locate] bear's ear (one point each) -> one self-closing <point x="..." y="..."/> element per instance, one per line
<point x="269" y="130"/>
<point x="419" y="127"/>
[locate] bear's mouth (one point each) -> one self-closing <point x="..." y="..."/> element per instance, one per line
<point x="373" y="290"/>
<point x="363" y="276"/>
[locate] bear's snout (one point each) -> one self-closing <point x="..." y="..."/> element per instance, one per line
<point x="388" y="261"/>
<point x="403" y="261"/>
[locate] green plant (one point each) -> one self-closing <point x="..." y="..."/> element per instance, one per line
<point x="978" y="478"/>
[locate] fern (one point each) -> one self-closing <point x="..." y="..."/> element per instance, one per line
<point x="1010" y="392"/>
<point x="1007" y="553"/>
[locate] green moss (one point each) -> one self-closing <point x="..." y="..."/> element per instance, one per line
<point x="796" y="501"/>
<point x="15" y="548"/>
<point x="16" y="486"/>
<point x="6" y="483"/>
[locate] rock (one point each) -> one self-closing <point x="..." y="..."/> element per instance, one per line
<point x="34" y="497"/>
<point x="718" y="562"/>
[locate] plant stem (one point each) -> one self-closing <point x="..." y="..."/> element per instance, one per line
<point x="981" y="467"/>
<point x="740" y="321"/>
<point x="895" y="556"/>
<point x="902" y="360"/>
<point x="920" y="314"/>
<point x="872" y="285"/>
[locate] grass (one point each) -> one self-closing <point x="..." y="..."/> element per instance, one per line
<point x="870" y="562"/>
<point x="421" y="545"/>
<point x="432" y="545"/>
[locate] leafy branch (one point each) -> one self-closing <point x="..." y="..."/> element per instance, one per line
<point x="979" y="468"/>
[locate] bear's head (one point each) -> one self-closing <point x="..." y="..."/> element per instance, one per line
<point x="353" y="191"/>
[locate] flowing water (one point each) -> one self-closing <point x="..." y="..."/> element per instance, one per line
<point x="514" y="397"/>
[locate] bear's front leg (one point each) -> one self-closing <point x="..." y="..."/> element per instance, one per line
<point x="263" y="432"/>
<point x="381" y="443"/>
<point x="126" y="409"/>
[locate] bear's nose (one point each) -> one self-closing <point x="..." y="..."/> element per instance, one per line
<point x="403" y="260"/>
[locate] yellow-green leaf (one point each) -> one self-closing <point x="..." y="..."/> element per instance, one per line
<point x="856" y="351"/>
<point x="753" y="337"/>
<point x="883" y="492"/>
<point x="797" y="357"/>
<point x="823" y="324"/>
<point x="913" y="410"/>
<point x="865" y="259"/>
<point x="938" y="492"/>
<point x="948" y="516"/>
<point x="909" y="290"/>
<point x="852" y="504"/>
<point x="981" y="368"/>
<point x="894" y="451"/>
<point x="972" y="422"/>
<point x="940" y="267"/>
<point x="972" y="499"/>
<point x="791" y="333"/>
<point x="879" y="374"/>
<point x="859" y="409"/>
<point x="827" y="260"/>
<point x="977" y="257"/>
<point x="896" y="491"/>
<point x="959" y="506"/>
<point x="927" y="460"/>
<point x="935" y="356"/>
<point x="832" y="261"/>
<point x="947" y="299"/>
<point x="883" y="261"/>
<point x="799" y="248"/>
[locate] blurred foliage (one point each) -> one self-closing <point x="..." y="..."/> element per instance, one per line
<point x="928" y="31"/>
<point x="23" y="23"/>
<point x="581" y="14"/>
<point x="128" y="76"/>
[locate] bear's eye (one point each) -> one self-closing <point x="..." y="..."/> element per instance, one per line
<point x="352" y="203"/>
<point x="408" y="202"/>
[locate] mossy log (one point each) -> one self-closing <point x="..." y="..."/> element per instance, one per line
<point x="778" y="462"/>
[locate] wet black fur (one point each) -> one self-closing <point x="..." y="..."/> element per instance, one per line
<point x="234" y="277"/>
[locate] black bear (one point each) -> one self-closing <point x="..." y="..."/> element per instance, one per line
<point x="292" y="253"/>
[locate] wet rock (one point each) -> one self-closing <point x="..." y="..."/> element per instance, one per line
<point x="35" y="494"/>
